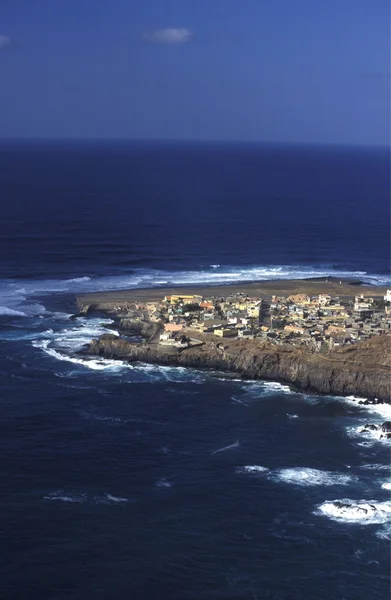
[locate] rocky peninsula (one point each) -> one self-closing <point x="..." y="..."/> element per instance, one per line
<point x="175" y="334"/>
<point x="362" y="370"/>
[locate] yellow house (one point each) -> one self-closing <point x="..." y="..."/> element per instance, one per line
<point x="188" y="299"/>
<point x="226" y="332"/>
<point x="294" y="329"/>
<point x="299" y="299"/>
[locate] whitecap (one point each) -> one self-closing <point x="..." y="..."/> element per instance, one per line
<point x="376" y="467"/>
<point x="96" y="364"/>
<point x="61" y="496"/>
<point x="17" y="295"/>
<point x="370" y="436"/>
<point x="78" y="280"/>
<point x="254" y="390"/>
<point x="274" y="386"/>
<point x="236" y="400"/>
<point x="387" y="485"/>
<point x="365" y="512"/>
<point x="224" y="448"/>
<point x="254" y="469"/>
<point x="382" y="409"/>
<point x="384" y="533"/>
<point x="115" y="499"/>
<point x="163" y="483"/>
<point x="83" y="497"/>
<point x="306" y="477"/>
<point x="4" y="310"/>
<point x="292" y="416"/>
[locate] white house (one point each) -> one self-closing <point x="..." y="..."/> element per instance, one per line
<point x="387" y="297"/>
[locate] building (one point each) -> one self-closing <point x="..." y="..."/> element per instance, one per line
<point x="185" y="299"/>
<point x="171" y="327"/>
<point x="294" y="329"/>
<point x="363" y="313"/>
<point x="324" y="299"/>
<point x="299" y="299"/>
<point x="387" y="297"/>
<point x="225" y="332"/>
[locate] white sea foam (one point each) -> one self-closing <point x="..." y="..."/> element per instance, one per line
<point x="274" y="386"/>
<point x="75" y="338"/>
<point x="115" y="499"/>
<point x="4" y="310"/>
<point x="96" y="364"/>
<point x="236" y="400"/>
<point x="83" y="498"/>
<point x="306" y="477"/>
<point x="386" y="485"/>
<point x="163" y="483"/>
<point x="254" y="390"/>
<point x="254" y="469"/>
<point x="382" y="409"/>
<point x="376" y="467"/>
<point x="365" y="512"/>
<point x="62" y="496"/>
<point x="370" y="436"/>
<point x="292" y="416"/>
<point x="17" y="295"/>
<point x="170" y="374"/>
<point x="225" y="448"/>
<point x="384" y="533"/>
<point x="78" y="280"/>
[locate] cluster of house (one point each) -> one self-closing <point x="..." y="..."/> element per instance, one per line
<point x="323" y="321"/>
<point x="320" y="322"/>
<point x="223" y="317"/>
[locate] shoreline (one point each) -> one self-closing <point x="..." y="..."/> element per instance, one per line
<point x="363" y="369"/>
<point x="312" y="286"/>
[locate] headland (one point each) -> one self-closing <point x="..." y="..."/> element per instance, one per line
<point x="323" y="335"/>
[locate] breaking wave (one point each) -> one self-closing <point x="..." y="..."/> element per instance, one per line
<point x="376" y="467"/>
<point x="10" y="312"/>
<point x="164" y="483"/>
<point x="301" y="476"/>
<point x="17" y="295"/>
<point x="254" y="469"/>
<point x="382" y="409"/>
<point x="97" y="364"/>
<point x="225" y="448"/>
<point x="84" y="498"/>
<point x="306" y="477"/>
<point x="365" y="512"/>
<point x="253" y="390"/>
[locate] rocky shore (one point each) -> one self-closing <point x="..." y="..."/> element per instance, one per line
<point x="362" y="370"/>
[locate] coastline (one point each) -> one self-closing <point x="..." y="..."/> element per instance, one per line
<point x="313" y="286"/>
<point x="362" y="370"/>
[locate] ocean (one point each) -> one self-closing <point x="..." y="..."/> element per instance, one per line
<point x="139" y="481"/>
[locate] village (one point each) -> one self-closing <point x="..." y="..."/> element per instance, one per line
<point x="319" y="322"/>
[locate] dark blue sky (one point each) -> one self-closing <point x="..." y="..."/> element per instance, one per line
<point x="267" y="70"/>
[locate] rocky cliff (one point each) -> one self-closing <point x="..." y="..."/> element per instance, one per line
<point x="362" y="370"/>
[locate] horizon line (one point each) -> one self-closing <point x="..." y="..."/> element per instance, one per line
<point x="187" y="141"/>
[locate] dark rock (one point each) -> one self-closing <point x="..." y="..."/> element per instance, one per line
<point x="360" y="372"/>
<point x="370" y="427"/>
<point x="386" y="426"/>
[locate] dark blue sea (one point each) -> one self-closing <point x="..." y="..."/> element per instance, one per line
<point x="143" y="482"/>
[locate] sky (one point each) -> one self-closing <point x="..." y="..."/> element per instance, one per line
<point x="308" y="71"/>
